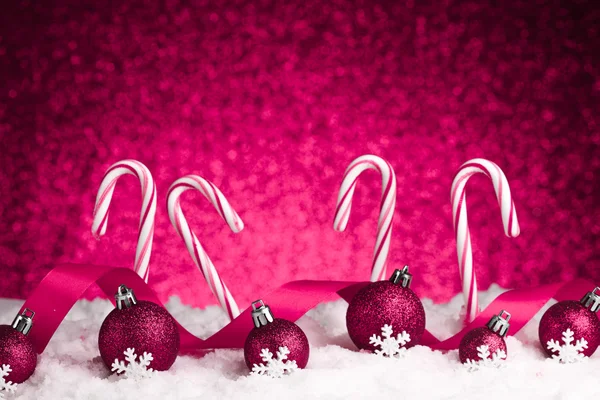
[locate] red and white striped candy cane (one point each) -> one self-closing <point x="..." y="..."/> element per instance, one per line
<point x="461" y="225"/>
<point x="386" y="212"/>
<point x="201" y="259"/>
<point x="146" y="230"/>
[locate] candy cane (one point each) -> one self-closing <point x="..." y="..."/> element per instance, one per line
<point x="201" y="259"/>
<point x="386" y="212"/>
<point x="461" y="226"/>
<point x="146" y="230"/>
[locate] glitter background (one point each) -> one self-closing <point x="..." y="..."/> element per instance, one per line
<point x="271" y="101"/>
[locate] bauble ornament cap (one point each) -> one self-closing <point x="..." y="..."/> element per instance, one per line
<point x="24" y="321"/>
<point x="401" y="277"/>
<point x="261" y="314"/>
<point x="591" y="300"/>
<point x="499" y="323"/>
<point x="125" y="298"/>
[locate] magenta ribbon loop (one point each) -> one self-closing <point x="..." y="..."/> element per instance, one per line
<point x="65" y="284"/>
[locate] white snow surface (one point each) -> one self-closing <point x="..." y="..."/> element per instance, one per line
<point x="71" y="367"/>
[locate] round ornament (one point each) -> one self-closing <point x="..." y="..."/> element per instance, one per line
<point x="486" y="342"/>
<point x="383" y="305"/>
<point x="273" y="334"/>
<point x="570" y="324"/>
<point x="16" y="350"/>
<point x="140" y="325"/>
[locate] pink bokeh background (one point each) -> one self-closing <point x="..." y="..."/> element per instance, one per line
<point x="271" y="101"/>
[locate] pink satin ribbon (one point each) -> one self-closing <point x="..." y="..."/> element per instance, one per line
<point x="65" y="284"/>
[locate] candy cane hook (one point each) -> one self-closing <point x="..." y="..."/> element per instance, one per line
<point x="146" y="229"/>
<point x="386" y="212"/>
<point x="461" y="225"/>
<point x="201" y="259"/>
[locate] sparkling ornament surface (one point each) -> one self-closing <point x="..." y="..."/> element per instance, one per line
<point x="382" y="303"/>
<point x="16" y="349"/>
<point x="278" y="333"/>
<point x="146" y="327"/>
<point x="478" y="337"/>
<point x="572" y="315"/>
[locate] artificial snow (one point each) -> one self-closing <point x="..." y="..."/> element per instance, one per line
<point x="71" y="367"/>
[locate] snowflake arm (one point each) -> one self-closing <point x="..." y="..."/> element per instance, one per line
<point x="581" y="344"/>
<point x="5" y="385"/>
<point x="275" y="367"/>
<point x="554" y="346"/>
<point x="118" y="366"/>
<point x="376" y="341"/>
<point x="568" y="352"/>
<point x="472" y="365"/>
<point x="390" y="346"/>
<point x="499" y="355"/>
<point x="483" y="352"/>
<point x="134" y="369"/>
<point x="266" y="355"/>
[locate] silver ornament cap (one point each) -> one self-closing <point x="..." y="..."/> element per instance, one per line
<point x="24" y="321"/>
<point x="499" y="323"/>
<point x="591" y="300"/>
<point x="125" y="297"/>
<point x="401" y="277"/>
<point x="261" y="314"/>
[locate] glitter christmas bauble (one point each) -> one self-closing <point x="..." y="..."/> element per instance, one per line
<point x="143" y="326"/>
<point x="578" y="316"/>
<point x="16" y="349"/>
<point x="272" y="333"/>
<point x="386" y="303"/>
<point x="492" y="336"/>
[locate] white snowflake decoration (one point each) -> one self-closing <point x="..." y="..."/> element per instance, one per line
<point x="390" y="346"/>
<point x="4" y="384"/>
<point x="275" y="367"/>
<point x="568" y="352"/>
<point x="483" y="351"/>
<point x="134" y="369"/>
